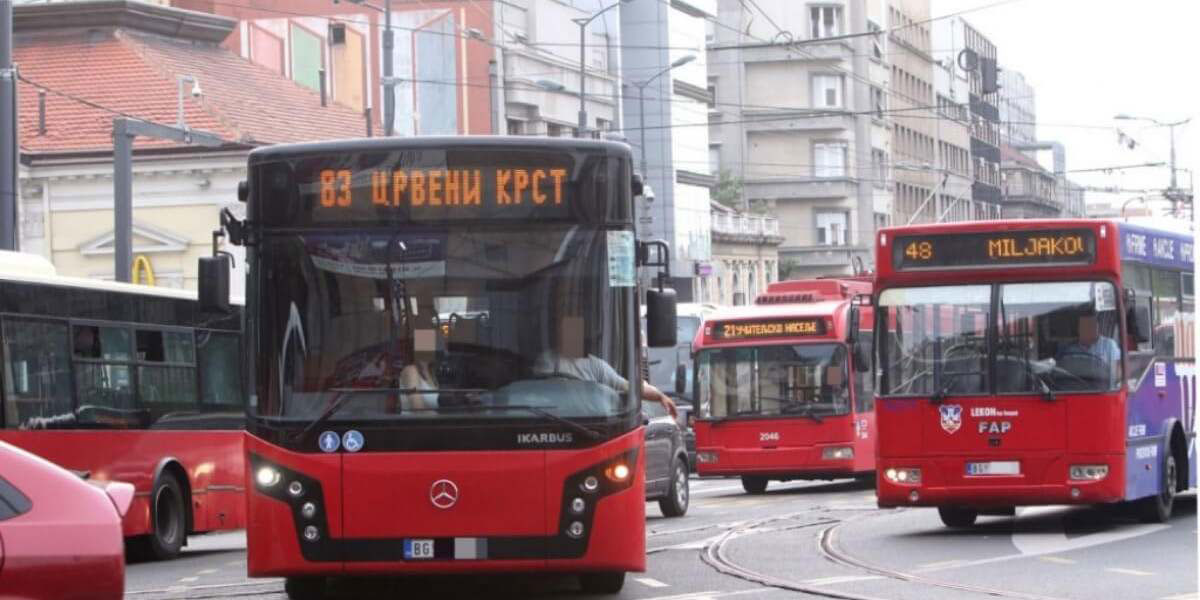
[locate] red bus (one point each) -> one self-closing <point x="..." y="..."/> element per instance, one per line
<point x="781" y="389"/>
<point x="445" y="356"/>
<point x="1034" y="362"/>
<point x="129" y="383"/>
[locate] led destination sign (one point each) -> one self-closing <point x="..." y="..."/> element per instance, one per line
<point x="741" y="330"/>
<point x="988" y="249"/>
<point x="341" y="188"/>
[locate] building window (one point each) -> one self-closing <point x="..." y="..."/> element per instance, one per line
<point x="831" y="228"/>
<point x="515" y="127"/>
<point x="827" y="91"/>
<point x="554" y="130"/>
<point x="603" y="125"/>
<point x="878" y="101"/>
<point x="714" y="159"/>
<point x="879" y="162"/>
<point x="829" y="159"/>
<point x="826" y="21"/>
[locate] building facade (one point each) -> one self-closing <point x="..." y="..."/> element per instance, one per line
<point x="1018" y="110"/>
<point x="796" y="124"/>
<point x="745" y="256"/>
<point x="1029" y="190"/>
<point x="666" y="103"/>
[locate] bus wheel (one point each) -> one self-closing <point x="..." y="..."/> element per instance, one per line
<point x="602" y="583"/>
<point x="305" y="588"/>
<point x="675" y="503"/>
<point x="168" y="516"/>
<point x="1157" y="508"/>
<point x="957" y="518"/>
<point x="754" y="485"/>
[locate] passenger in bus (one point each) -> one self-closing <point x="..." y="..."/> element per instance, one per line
<point x="569" y="360"/>
<point x="1103" y="350"/>
<point x="418" y="379"/>
<point x="833" y="389"/>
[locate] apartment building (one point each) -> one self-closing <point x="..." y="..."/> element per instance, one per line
<point x="803" y="127"/>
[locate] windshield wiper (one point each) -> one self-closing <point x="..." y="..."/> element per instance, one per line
<point x="541" y="412"/>
<point x="806" y="410"/>
<point x="943" y="393"/>
<point x="740" y="413"/>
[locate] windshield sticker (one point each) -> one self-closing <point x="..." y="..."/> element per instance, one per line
<point x="329" y="441"/>
<point x="620" y="259"/>
<point x="1106" y="298"/>
<point x="352" y="441"/>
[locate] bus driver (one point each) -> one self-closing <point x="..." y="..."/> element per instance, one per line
<point x="1092" y="343"/>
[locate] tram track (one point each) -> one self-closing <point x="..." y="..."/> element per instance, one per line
<point x="716" y="555"/>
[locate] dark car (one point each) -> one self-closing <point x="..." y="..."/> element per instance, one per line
<point x="684" y="408"/>
<point x="666" y="461"/>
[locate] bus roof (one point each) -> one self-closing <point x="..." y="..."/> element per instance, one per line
<point x="31" y="268"/>
<point x="380" y="144"/>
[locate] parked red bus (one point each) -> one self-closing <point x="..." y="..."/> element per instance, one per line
<point x="129" y="383"/>
<point x="445" y="356"/>
<point x="1034" y="362"/>
<point x="781" y="387"/>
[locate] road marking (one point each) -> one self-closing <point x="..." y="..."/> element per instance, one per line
<point x="945" y="564"/>
<point x="648" y="582"/>
<point x="206" y="572"/>
<point x="707" y="595"/>
<point x="1129" y="572"/>
<point x="1055" y="541"/>
<point x="1057" y="560"/>
<point x="841" y="579"/>
<point x="187" y="579"/>
<point x="1184" y="596"/>
<point x="714" y="490"/>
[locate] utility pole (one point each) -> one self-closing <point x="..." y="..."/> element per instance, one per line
<point x="389" y="82"/>
<point x="124" y="130"/>
<point x="9" y="151"/>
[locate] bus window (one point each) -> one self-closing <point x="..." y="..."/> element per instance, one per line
<point x="220" y="369"/>
<point x="775" y="380"/>
<point x="1069" y="343"/>
<point x="167" y="373"/>
<point x="102" y="376"/>
<point x="934" y="340"/>
<point x="38" y="377"/>
<point x="864" y="381"/>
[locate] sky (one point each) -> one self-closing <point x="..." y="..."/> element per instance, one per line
<point x="1089" y="60"/>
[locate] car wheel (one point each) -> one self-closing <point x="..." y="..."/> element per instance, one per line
<point x="168" y="516"/>
<point x="754" y="485"/>
<point x="305" y="588"/>
<point x="602" y="583"/>
<point x="1157" y="508"/>
<point x="675" y="503"/>
<point x="957" y="518"/>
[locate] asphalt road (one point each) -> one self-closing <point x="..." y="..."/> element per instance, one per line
<point x="806" y="540"/>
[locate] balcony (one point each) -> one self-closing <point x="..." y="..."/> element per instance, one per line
<point x="799" y="187"/>
<point x="796" y="120"/>
<point x="745" y="228"/>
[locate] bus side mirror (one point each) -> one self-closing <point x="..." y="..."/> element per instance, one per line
<point x="1137" y="321"/>
<point x="660" y="318"/>
<point x="681" y="372"/>
<point x="214" y="283"/>
<point x="853" y="319"/>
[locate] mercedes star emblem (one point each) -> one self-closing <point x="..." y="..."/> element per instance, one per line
<point x="443" y="493"/>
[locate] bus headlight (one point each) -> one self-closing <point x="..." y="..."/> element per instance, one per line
<point x="1088" y="472"/>
<point x="618" y="472"/>
<point x="267" y="477"/>
<point x="837" y="453"/>
<point x="905" y="476"/>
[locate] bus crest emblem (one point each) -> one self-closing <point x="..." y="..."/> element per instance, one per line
<point x="951" y="417"/>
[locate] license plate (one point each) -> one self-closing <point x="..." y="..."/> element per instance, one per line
<point x="418" y="549"/>
<point x="995" y="467"/>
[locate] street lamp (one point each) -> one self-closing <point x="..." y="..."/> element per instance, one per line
<point x="1169" y="126"/>
<point x="389" y="82"/>
<point x="641" y="86"/>
<point x="582" y="22"/>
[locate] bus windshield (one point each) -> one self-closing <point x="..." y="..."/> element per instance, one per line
<point x="1013" y="338"/>
<point x="447" y="321"/>
<point x="802" y="380"/>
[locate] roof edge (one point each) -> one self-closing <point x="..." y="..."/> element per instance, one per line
<point x="130" y="14"/>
